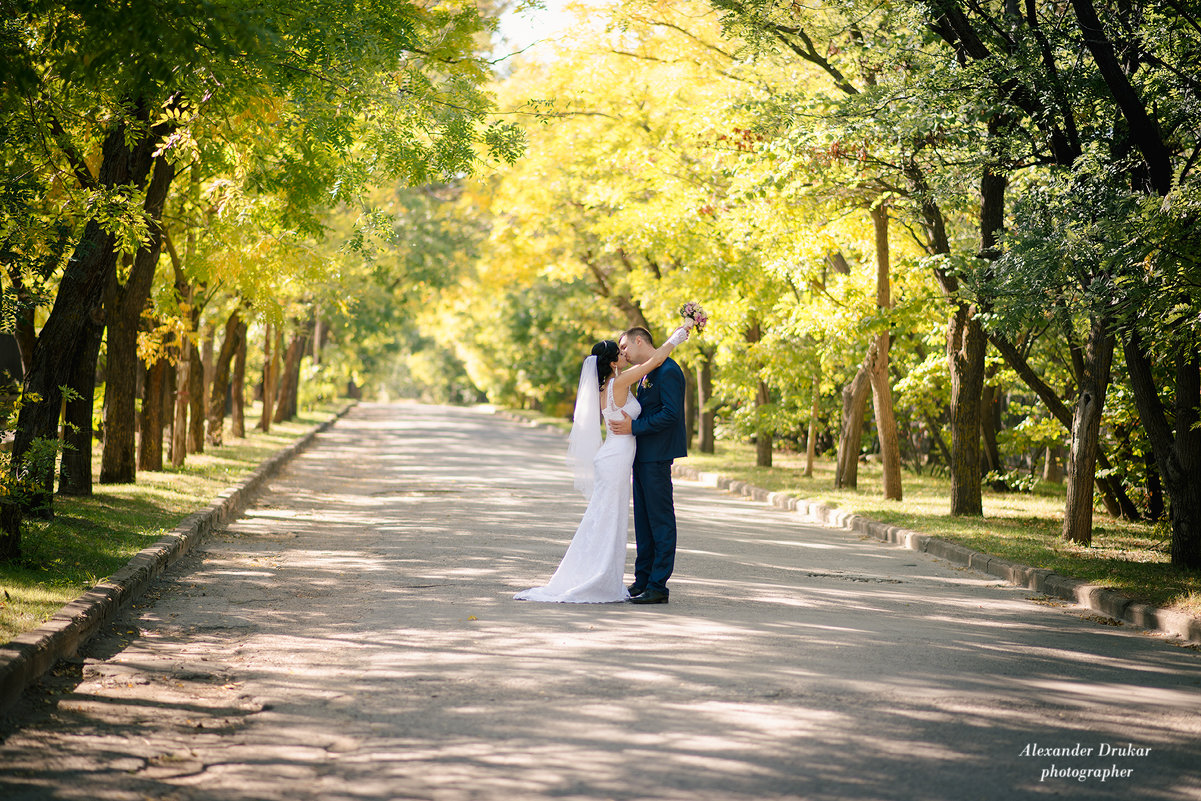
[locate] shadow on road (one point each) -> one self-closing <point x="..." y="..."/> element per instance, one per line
<point x="354" y="637"/>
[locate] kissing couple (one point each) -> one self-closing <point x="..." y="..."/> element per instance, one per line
<point x="639" y="393"/>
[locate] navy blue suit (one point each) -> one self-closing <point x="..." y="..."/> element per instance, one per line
<point x="661" y="437"/>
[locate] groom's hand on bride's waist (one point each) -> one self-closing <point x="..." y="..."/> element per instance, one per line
<point x="621" y="426"/>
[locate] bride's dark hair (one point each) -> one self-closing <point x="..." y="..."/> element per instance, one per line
<point x="606" y="352"/>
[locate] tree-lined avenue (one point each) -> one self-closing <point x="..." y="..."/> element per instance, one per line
<point x="353" y="637"/>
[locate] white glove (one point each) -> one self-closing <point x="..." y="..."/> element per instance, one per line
<point x="678" y="337"/>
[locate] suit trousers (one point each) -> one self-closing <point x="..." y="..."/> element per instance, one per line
<point x="654" y="525"/>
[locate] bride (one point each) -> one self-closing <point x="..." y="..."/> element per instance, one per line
<point x="593" y="569"/>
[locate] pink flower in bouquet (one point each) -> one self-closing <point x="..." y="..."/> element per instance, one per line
<point x="693" y="311"/>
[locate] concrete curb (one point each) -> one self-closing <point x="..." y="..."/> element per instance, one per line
<point x="1093" y="596"/>
<point x="24" y="659"/>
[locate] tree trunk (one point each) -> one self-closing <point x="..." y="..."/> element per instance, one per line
<point x="196" y="411"/>
<point x="966" y="347"/>
<point x="886" y="422"/>
<point x="936" y="437"/>
<point x="270" y="357"/>
<point x="75" y="469"/>
<point x="220" y="385"/>
<point x="990" y="451"/>
<point x="1117" y="501"/>
<point x="318" y="336"/>
<point x="10" y="529"/>
<point x="237" y="420"/>
<point x="814" y="408"/>
<point x="289" y="384"/>
<point x="1177" y="452"/>
<point x="1143" y="129"/>
<point x="150" y="443"/>
<point x="124" y="305"/>
<point x="170" y="376"/>
<point x="207" y="355"/>
<point x="1052" y="471"/>
<point x="854" y="406"/>
<point x="1086" y="427"/>
<point x="24" y="331"/>
<point x="183" y="388"/>
<point x="690" y="404"/>
<point x="80" y="290"/>
<point x="965" y="355"/>
<point x="704" y="397"/>
<point x="763" y="437"/>
<point x="1154" y="489"/>
<point x="965" y="337"/>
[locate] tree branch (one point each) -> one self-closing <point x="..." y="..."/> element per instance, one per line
<point x="784" y="33"/>
<point x="1143" y="129"/>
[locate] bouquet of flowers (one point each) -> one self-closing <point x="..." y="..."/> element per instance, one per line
<point x="693" y="311"/>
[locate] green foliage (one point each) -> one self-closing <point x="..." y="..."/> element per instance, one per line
<point x="1012" y="481"/>
<point x="22" y="477"/>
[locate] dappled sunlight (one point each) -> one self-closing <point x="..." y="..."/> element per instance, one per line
<point x="367" y="638"/>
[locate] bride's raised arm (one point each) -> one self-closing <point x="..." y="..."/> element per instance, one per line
<point x="634" y="373"/>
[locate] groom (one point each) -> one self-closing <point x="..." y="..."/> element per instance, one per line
<point x="661" y="437"/>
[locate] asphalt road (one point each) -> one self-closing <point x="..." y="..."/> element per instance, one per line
<point x="353" y="637"/>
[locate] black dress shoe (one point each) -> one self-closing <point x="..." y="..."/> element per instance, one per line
<point x="634" y="589"/>
<point x="650" y="597"/>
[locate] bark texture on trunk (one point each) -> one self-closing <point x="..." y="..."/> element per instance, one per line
<point x="854" y="407"/>
<point x="80" y="291"/>
<point x="150" y="440"/>
<point x="763" y="437"/>
<point x="287" y="402"/>
<point x="208" y="355"/>
<point x="196" y="404"/>
<point x="1086" y="429"/>
<point x="270" y="372"/>
<point x="704" y="396"/>
<point x="221" y="368"/>
<point x="124" y="304"/>
<point x="183" y="388"/>
<point x="237" y="418"/>
<point x="62" y="340"/>
<point x="886" y="422"/>
<point x="75" y="469"/>
<point x="966" y="347"/>
<point x="1176" y="444"/>
<point x="965" y="356"/>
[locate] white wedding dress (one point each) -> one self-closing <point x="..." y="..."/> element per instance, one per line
<point x="593" y="569"/>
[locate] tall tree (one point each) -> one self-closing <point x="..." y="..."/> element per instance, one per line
<point x="124" y="303"/>
<point x="339" y="120"/>
<point x="235" y="333"/>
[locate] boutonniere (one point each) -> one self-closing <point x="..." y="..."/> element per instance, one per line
<point x="646" y="383"/>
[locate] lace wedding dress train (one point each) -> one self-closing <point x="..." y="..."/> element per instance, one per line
<point x="593" y="569"/>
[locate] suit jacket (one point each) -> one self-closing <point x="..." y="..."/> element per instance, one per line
<point x="660" y="428"/>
